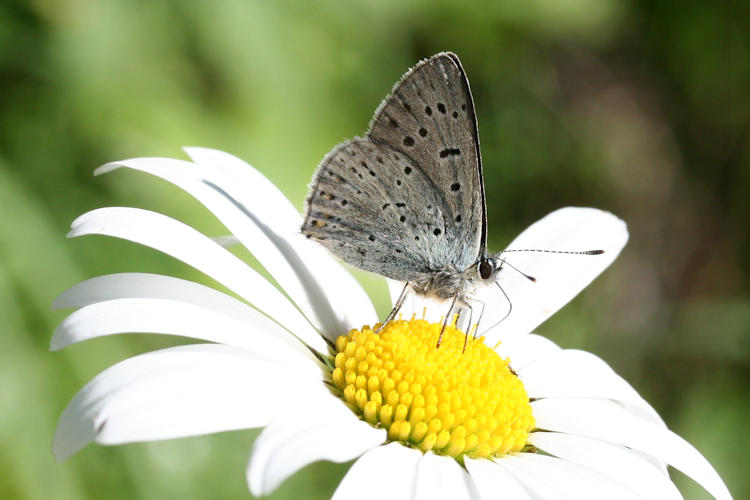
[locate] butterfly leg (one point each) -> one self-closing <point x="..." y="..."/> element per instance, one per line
<point x="447" y="318"/>
<point x="462" y="308"/>
<point x="469" y="301"/>
<point x="396" y="308"/>
<point x="466" y="305"/>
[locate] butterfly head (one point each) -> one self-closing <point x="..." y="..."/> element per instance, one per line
<point x="489" y="266"/>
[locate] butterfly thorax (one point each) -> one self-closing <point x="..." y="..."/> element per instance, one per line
<point x="447" y="283"/>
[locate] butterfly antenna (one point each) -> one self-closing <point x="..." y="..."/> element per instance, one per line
<point x="510" y="308"/>
<point x="539" y="250"/>
<point x="568" y="252"/>
<point x="528" y="277"/>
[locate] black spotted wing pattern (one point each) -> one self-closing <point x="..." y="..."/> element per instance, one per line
<point x="430" y="118"/>
<point x="406" y="200"/>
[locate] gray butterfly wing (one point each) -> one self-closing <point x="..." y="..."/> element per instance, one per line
<point x="430" y="118"/>
<point x="370" y="206"/>
<point x="408" y="199"/>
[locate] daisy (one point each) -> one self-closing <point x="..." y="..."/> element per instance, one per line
<point x="512" y="416"/>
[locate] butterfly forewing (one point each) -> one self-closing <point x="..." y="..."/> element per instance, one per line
<point x="407" y="200"/>
<point x="430" y="118"/>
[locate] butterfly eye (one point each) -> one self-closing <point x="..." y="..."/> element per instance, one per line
<point x="486" y="268"/>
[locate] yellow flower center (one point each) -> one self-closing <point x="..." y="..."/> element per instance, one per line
<point x="444" y="399"/>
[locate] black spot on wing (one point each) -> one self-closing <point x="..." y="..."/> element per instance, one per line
<point x="449" y="152"/>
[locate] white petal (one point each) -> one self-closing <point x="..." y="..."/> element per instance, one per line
<point x="188" y="245"/>
<point x="274" y="240"/>
<point x="559" y="278"/>
<point x="442" y="477"/>
<point x="620" y="464"/>
<point x="580" y="374"/>
<point x="492" y="480"/>
<point x="525" y="349"/>
<point x="153" y="286"/>
<point x="552" y="478"/>
<point x="604" y="420"/>
<point x="386" y="472"/>
<point x="326" y="431"/>
<point x="661" y="465"/>
<point x="177" y="392"/>
<point x="261" y="336"/>
<point x="261" y="196"/>
<point x="318" y="271"/>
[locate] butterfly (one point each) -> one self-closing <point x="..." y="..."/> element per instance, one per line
<point x="407" y="200"/>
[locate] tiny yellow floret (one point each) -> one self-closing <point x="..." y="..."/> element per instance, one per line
<point x="445" y="399"/>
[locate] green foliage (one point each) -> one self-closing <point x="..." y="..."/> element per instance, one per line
<point x="642" y="108"/>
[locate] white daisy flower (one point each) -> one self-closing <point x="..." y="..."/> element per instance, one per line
<point x="515" y="416"/>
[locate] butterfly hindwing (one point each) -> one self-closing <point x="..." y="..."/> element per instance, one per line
<point x="367" y="204"/>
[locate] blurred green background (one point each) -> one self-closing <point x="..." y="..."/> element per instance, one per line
<point x="641" y="108"/>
